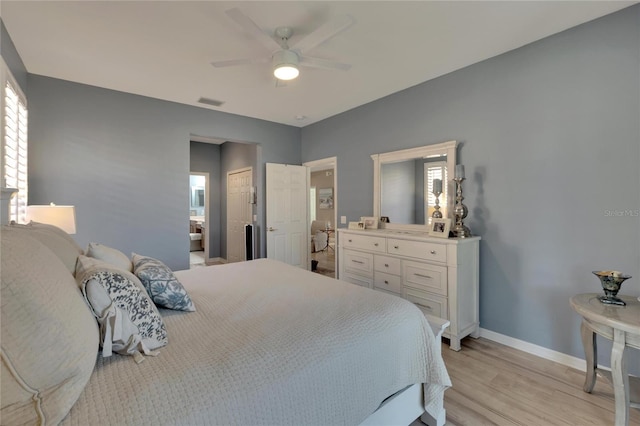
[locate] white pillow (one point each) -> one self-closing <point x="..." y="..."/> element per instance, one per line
<point x="49" y="337"/>
<point x="54" y="238"/>
<point x="109" y="255"/>
<point x="130" y="323"/>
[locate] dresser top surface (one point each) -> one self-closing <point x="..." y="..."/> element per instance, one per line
<point x="408" y="235"/>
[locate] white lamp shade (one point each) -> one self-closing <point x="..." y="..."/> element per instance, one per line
<point x="64" y="217"/>
<point x="285" y="65"/>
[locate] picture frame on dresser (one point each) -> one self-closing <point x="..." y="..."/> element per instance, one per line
<point x="440" y="227"/>
<point x="370" y="222"/>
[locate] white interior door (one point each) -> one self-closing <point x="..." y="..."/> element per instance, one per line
<point x="238" y="212"/>
<point x="287" y="214"/>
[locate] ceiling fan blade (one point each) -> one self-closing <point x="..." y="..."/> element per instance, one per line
<point x="326" y="64"/>
<point x="243" y="61"/>
<point x="324" y="33"/>
<point x="249" y="26"/>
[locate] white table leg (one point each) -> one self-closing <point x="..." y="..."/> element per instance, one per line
<point x="620" y="378"/>
<point x="591" y="356"/>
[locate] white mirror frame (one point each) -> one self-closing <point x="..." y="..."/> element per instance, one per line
<point x="439" y="149"/>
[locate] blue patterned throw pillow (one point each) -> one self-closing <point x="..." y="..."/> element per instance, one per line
<point x="161" y="284"/>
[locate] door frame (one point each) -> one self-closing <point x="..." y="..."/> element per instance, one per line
<point x="229" y="173"/>
<point x="326" y="164"/>
<point x="207" y="208"/>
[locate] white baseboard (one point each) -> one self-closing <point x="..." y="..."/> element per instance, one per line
<point x="542" y="352"/>
<point x="216" y="259"/>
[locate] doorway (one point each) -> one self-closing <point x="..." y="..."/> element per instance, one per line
<point x="239" y="211"/>
<point x="323" y="208"/>
<point x="198" y="219"/>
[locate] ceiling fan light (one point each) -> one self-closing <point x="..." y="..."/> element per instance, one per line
<point x="286" y="72"/>
<point x="285" y="65"/>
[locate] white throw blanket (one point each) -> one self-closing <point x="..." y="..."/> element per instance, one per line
<point x="269" y="344"/>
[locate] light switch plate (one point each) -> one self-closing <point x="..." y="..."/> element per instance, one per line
<point x="343" y="220"/>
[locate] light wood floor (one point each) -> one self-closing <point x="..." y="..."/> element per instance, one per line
<point x="495" y="384"/>
<point x="326" y="262"/>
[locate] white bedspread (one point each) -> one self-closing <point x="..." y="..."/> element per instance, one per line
<point x="269" y="344"/>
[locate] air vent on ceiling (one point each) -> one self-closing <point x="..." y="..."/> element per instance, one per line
<point x="211" y="102"/>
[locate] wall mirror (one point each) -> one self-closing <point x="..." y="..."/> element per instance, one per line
<point x="197" y="196"/>
<point x="403" y="184"/>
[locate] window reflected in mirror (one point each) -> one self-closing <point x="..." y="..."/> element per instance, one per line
<point x="197" y="184"/>
<point x="435" y="170"/>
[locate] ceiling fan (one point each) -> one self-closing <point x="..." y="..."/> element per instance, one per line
<point x="284" y="58"/>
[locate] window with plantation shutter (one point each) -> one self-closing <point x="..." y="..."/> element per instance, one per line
<point x="14" y="145"/>
<point x="437" y="170"/>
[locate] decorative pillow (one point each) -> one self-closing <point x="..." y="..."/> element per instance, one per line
<point x="130" y="324"/>
<point x="85" y="264"/>
<point x="109" y="255"/>
<point x="54" y="238"/>
<point x="49" y="337"/>
<point x="161" y="284"/>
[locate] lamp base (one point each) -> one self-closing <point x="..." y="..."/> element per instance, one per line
<point x="461" y="231"/>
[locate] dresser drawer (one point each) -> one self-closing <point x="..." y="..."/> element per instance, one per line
<point x="364" y="242"/>
<point x="390" y="265"/>
<point x="357" y="280"/>
<point x="426" y="277"/>
<point x="387" y="282"/>
<point x="430" y="304"/>
<point x="418" y="249"/>
<point x="358" y="262"/>
<point x="387" y="292"/>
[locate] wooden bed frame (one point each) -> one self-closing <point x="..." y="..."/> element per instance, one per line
<point x="407" y="405"/>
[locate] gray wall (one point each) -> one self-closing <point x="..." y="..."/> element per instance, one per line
<point x="123" y="161"/>
<point x="205" y="158"/>
<point x="12" y="58"/>
<point x="550" y="139"/>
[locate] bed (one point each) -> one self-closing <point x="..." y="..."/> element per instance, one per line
<point x="269" y="344"/>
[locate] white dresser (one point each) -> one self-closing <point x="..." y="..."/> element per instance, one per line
<point x="439" y="275"/>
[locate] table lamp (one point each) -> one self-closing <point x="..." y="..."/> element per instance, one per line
<point x="64" y="217"/>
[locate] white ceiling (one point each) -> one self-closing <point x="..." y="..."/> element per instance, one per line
<point x="163" y="49"/>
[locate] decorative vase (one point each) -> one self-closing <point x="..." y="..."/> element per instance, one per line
<point x="611" y="282"/>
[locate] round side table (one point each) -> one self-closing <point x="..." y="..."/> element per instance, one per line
<point x="621" y="324"/>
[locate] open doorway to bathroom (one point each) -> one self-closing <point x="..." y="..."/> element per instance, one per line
<point x="198" y="219"/>
<point x="323" y="187"/>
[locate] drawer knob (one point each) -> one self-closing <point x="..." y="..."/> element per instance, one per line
<point x="376" y="244"/>
<point x="386" y="265"/>
<point x="425" y="306"/>
<point x="433" y="252"/>
<point x="395" y="247"/>
<point x="357" y="261"/>
<point x="386" y="282"/>
<point x="350" y="241"/>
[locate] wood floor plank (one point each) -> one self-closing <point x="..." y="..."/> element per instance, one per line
<point x="497" y="385"/>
